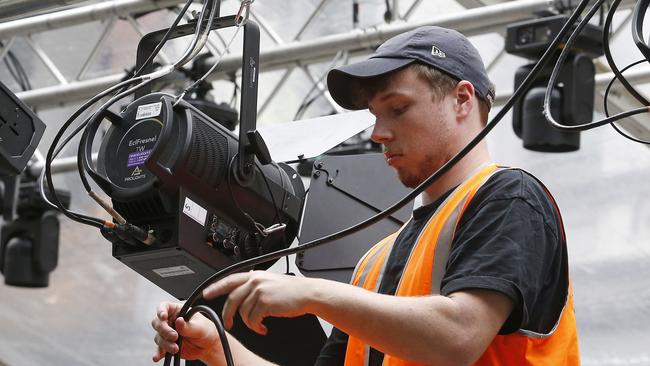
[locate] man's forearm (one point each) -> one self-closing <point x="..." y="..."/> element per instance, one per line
<point x="431" y="329"/>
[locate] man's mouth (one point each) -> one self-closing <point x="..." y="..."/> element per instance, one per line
<point x="392" y="157"/>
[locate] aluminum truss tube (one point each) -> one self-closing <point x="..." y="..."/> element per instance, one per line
<point x="98" y="45"/>
<point x="469" y="22"/>
<point x="474" y="21"/>
<point x="81" y="15"/>
<point x="59" y="165"/>
<point x="413" y="7"/>
<point x="7" y="46"/>
<point x="47" y="61"/>
<point x="13" y="8"/>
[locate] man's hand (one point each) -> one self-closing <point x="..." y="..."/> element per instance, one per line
<point x="259" y="294"/>
<point x="200" y="337"/>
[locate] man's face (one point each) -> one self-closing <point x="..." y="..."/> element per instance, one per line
<point x="413" y="126"/>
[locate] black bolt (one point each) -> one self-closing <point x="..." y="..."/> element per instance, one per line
<point x="317" y="174"/>
<point x="330" y="180"/>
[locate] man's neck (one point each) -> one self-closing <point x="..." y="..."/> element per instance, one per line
<point x="478" y="158"/>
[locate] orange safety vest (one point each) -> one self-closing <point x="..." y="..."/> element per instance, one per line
<point x="423" y="275"/>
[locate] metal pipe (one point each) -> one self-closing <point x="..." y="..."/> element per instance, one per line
<point x="276" y="88"/>
<point x="134" y="23"/>
<point x="59" y="165"/>
<point x="6" y="47"/>
<point x="80" y="15"/>
<point x="15" y="8"/>
<point x="98" y="45"/>
<point x="473" y="21"/>
<point x="310" y="19"/>
<point x="264" y="25"/>
<point x="47" y="61"/>
<point x="413" y="7"/>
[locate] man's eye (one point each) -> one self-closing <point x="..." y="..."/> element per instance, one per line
<point x="399" y="110"/>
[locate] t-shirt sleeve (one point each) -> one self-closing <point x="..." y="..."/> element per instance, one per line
<point x="508" y="242"/>
<point x="333" y="352"/>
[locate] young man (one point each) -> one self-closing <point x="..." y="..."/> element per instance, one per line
<point x="479" y="275"/>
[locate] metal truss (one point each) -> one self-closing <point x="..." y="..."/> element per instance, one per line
<point x="295" y="54"/>
<point x="288" y="55"/>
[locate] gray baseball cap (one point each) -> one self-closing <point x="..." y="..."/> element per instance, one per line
<point x="445" y="49"/>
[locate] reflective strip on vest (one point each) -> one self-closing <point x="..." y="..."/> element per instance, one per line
<point x="423" y="273"/>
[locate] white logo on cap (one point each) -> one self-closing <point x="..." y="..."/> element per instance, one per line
<point x="438" y="52"/>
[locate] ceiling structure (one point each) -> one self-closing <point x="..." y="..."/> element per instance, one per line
<point x="480" y="17"/>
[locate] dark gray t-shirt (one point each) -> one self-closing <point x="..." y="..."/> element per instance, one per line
<point x="509" y="239"/>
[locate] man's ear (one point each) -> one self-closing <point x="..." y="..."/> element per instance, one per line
<point x="465" y="101"/>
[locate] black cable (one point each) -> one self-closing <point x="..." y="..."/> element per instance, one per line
<point x="638" y="16"/>
<point x="212" y="315"/>
<point x="610" y="60"/>
<point x="523" y="87"/>
<point x="606" y="96"/>
<point x="164" y="39"/>
<point x="87" y="220"/>
<point x="556" y="72"/>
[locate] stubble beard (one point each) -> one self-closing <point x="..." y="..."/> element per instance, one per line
<point x="414" y="179"/>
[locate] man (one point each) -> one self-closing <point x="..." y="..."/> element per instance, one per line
<point x="478" y="275"/>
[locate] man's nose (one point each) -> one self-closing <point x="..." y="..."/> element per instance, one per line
<point x="380" y="134"/>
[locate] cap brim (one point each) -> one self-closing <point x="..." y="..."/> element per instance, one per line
<point x="343" y="82"/>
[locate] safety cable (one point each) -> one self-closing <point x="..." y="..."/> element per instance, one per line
<point x="523" y="87"/>
<point x="556" y="72"/>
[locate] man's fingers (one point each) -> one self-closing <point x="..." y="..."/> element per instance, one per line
<point x="197" y="327"/>
<point x="159" y="355"/>
<point x="250" y="313"/>
<point x="167" y="310"/>
<point x="233" y="302"/>
<point x="226" y="285"/>
<point x="255" y="318"/>
<point x="165" y="345"/>
<point x="162" y="328"/>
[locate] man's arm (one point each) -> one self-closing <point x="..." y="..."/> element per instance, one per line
<point x="453" y="330"/>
